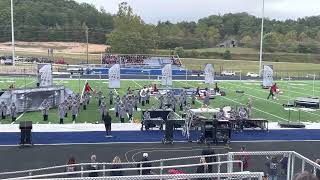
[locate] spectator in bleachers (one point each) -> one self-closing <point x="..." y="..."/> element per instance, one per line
<point x="144" y="164"/>
<point x="203" y="168"/>
<point x="93" y="166"/>
<point x="244" y="158"/>
<point x="209" y="151"/>
<point x="305" y="176"/>
<point x="272" y="168"/>
<point x="71" y="167"/>
<point x="284" y="164"/>
<point x="318" y="170"/>
<point x="116" y="164"/>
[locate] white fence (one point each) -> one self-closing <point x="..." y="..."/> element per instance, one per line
<point x="226" y="166"/>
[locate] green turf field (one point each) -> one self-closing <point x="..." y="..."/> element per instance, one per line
<point x="271" y="110"/>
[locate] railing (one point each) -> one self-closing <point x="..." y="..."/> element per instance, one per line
<point x="291" y="164"/>
<point x="124" y="169"/>
<point x="240" y="175"/>
<point x="104" y="164"/>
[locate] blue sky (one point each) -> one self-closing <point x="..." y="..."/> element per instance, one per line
<point x="191" y="10"/>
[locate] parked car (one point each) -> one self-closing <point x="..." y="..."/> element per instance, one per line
<point x="228" y="73"/>
<point x="252" y="74"/>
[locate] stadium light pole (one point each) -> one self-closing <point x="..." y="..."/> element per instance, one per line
<point x="261" y="40"/>
<point x="87" y="39"/>
<point x="12" y="36"/>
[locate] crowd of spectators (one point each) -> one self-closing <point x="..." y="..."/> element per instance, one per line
<point x="95" y="166"/>
<point x="274" y="167"/>
<point x="134" y="59"/>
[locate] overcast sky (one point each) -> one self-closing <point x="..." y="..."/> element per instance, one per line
<point x="191" y="10"/>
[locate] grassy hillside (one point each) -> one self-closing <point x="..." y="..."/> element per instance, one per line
<point x="249" y="54"/>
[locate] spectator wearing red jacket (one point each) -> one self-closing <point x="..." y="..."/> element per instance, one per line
<point x="244" y="158"/>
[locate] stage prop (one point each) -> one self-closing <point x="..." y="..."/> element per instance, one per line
<point x="44" y="75"/>
<point x="267" y="76"/>
<point x="292" y="125"/>
<point x="30" y="99"/>
<point x="214" y="131"/>
<point x="114" y="76"/>
<point x="195" y="117"/>
<point x="241" y="120"/>
<point x="25" y="136"/>
<point x="173" y="121"/>
<point x="166" y="75"/>
<point x="307" y="102"/>
<point x="209" y="74"/>
<point x="157" y="118"/>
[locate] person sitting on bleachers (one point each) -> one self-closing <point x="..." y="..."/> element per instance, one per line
<point x="91" y="167"/>
<point x="144" y="164"/>
<point x="70" y="167"/>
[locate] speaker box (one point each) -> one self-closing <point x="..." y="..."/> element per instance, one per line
<point x="25" y="125"/>
<point x="25" y="135"/>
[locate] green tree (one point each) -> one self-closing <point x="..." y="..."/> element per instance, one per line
<point x="227" y="55"/>
<point x="318" y="36"/>
<point x="246" y="41"/>
<point x="130" y="34"/>
<point x="291" y="36"/>
<point x="271" y="42"/>
<point x="179" y="51"/>
<point x="303" y="37"/>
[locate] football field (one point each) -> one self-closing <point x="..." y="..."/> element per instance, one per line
<point x="271" y="110"/>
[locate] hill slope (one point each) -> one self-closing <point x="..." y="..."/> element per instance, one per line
<point x="54" y="20"/>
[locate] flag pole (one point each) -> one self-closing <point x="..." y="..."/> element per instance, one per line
<point x="261" y="40"/>
<point x="12" y="35"/>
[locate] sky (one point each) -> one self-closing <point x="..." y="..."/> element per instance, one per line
<point x="153" y="11"/>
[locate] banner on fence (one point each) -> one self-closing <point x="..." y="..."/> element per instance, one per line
<point x="167" y="75"/>
<point x="44" y="75"/>
<point x="114" y="76"/>
<point x="209" y="74"/>
<point x="267" y="75"/>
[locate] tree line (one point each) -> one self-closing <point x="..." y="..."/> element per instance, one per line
<point x="54" y="20"/>
<point x="130" y="33"/>
<point x="126" y="32"/>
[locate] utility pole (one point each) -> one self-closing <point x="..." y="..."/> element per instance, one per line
<point x="87" y="38"/>
<point x="261" y="40"/>
<point x="12" y="36"/>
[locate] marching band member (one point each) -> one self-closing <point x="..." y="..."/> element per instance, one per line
<point x="13" y="112"/>
<point x="74" y="110"/>
<point x="3" y="110"/>
<point x="61" y="112"/>
<point x="103" y="110"/>
<point x="122" y="112"/>
<point x="143" y="95"/>
<point x="45" y="109"/>
<point x="110" y="97"/>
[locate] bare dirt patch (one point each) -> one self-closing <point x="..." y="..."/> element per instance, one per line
<point x="61" y="47"/>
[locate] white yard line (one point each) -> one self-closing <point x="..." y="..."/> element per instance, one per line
<point x="22" y="86"/>
<point x="307" y="90"/>
<point x="19" y="116"/>
<point x="269" y="100"/>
